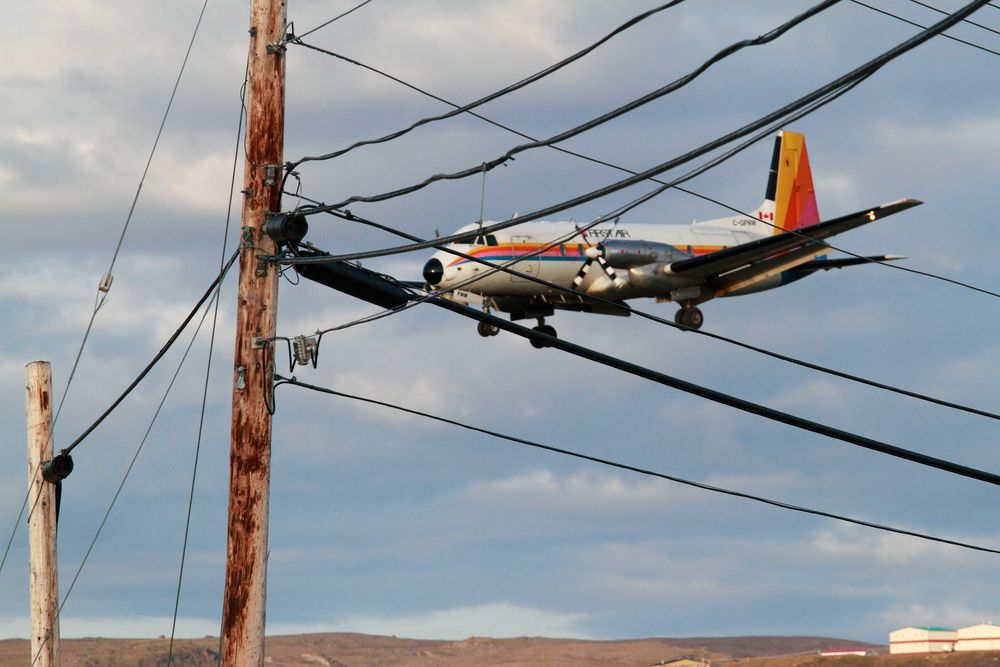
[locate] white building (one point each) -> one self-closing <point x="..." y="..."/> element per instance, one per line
<point x="982" y="637"/>
<point x="846" y="650"/>
<point x="922" y="640"/>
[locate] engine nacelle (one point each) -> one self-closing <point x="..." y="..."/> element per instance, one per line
<point x="621" y="254"/>
<point x="656" y="279"/>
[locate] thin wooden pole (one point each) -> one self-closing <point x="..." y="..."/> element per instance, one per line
<point x="43" y="578"/>
<point x="253" y="373"/>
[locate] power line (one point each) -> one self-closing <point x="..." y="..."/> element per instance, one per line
<point x="604" y="118"/>
<point x="517" y="219"/>
<point x="643" y="471"/>
<point x="102" y="293"/>
<point x="208" y="363"/>
<point x="969" y="21"/>
<point x="291" y="38"/>
<point x="216" y="289"/>
<point x="917" y="25"/>
<point x="551" y="69"/>
<point x="506" y="268"/>
<point x="159" y="355"/>
<point x="675" y="185"/>
<point x="849" y="79"/>
<point x="156" y="141"/>
<point x="17" y="521"/>
<point x="368" y="286"/>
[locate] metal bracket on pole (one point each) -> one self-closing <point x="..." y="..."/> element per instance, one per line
<point x="271" y="174"/>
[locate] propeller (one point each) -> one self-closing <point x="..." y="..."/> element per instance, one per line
<point x="595" y="253"/>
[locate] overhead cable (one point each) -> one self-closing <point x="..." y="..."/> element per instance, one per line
<point x="848" y="79"/>
<point x="969" y="21"/>
<point x="128" y="470"/>
<point x="551" y="69"/>
<point x="918" y="25"/>
<point x="339" y="274"/>
<point x="159" y="355"/>
<point x="293" y="38"/>
<point x="642" y="471"/>
<point x="159" y="133"/>
<point x="675" y="186"/>
<point x="507" y="267"/>
<point x="604" y="118"/>
<point x="441" y="242"/>
<point x="102" y="292"/>
<point x="208" y="361"/>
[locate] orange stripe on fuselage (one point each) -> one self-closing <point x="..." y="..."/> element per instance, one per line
<point x="507" y="251"/>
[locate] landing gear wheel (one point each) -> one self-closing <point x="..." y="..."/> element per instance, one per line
<point x="486" y="329"/>
<point x="689" y="317"/>
<point x="538" y="343"/>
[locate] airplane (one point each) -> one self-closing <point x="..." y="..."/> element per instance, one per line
<point x="777" y="243"/>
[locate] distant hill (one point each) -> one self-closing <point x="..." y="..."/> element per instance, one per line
<point x="356" y="650"/>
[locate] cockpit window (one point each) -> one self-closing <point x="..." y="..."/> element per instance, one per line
<point x="491" y="240"/>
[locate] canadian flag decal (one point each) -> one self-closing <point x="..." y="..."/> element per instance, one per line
<point x="766" y="215"/>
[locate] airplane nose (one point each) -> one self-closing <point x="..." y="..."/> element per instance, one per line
<point x="433" y="271"/>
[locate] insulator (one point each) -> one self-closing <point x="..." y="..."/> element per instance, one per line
<point x="304" y="349"/>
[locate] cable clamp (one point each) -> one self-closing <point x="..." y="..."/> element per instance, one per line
<point x="276" y="48"/>
<point x="262" y="261"/>
<point x="271" y="174"/>
<point x="105" y="285"/>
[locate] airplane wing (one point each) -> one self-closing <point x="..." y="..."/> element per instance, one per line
<point x="827" y="264"/>
<point x="780" y="251"/>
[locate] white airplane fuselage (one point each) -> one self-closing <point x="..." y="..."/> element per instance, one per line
<point x="772" y="245"/>
<point x="555" y="252"/>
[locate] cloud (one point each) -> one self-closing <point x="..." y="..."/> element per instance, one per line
<point x="123" y="627"/>
<point x="497" y="619"/>
<point x="580" y="492"/>
<point x="853" y="544"/>
<point x="432" y="521"/>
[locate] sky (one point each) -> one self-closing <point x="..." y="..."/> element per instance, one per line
<point x="389" y="524"/>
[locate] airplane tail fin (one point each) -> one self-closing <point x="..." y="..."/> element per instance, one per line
<point x="790" y="200"/>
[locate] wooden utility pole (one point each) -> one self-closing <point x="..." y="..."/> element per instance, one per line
<point x="43" y="580"/>
<point x="250" y="449"/>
